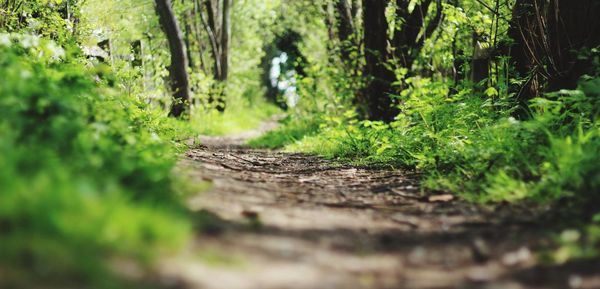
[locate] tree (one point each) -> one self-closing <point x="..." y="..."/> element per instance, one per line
<point x="187" y="24"/>
<point x="376" y="100"/>
<point x="217" y="25"/>
<point x="550" y="37"/>
<point x="212" y="30"/>
<point x="345" y="27"/>
<point x="179" y="79"/>
<point x="410" y="34"/>
<point x="225" y="39"/>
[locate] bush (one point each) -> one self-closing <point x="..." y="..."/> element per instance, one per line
<point x="85" y="173"/>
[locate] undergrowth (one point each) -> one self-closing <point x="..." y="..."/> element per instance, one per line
<point x="471" y="145"/>
<point x="85" y="173"/>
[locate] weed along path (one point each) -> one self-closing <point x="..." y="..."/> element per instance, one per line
<point x="282" y="220"/>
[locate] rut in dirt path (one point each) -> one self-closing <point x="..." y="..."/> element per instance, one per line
<point x="296" y="221"/>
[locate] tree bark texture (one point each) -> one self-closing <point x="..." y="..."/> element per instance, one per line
<point x="345" y="28"/>
<point x="225" y="39"/>
<point x="179" y="79"/>
<point x="408" y="40"/>
<point x="378" y="104"/>
<point x="549" y="38"/>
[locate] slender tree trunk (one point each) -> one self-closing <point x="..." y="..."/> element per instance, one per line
<point x="187" y="23"/>
<point x="214" y="10"/>
<point x="411" y="35"/>
<point x="218" y="27"/>
<point x="345" y="28"/>
<point x="354" y="9"/>
<point x="179" y="61"/>
<point x="225" y="39"/>
<point x="330" y="21"/>
<point x="210" y="25"/>
<point x="196" y="15"/>
<point x="188" y="41"/>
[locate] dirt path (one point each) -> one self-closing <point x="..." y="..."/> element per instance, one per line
<point x="301" y="222"/>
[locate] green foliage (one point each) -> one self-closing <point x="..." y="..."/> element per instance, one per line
<point x="47" y="18"/>
<point x="86" y="152"/>
<point x="462" y="135"/>
<point x="476" y="140"/>
<point x="85" y="172"/>
<point x="472" y="146"/>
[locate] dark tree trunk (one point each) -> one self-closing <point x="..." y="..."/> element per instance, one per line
<point x="187" y="22"/>
<point x="549" y="36"/>
<point x="210" y="25"/>
<point x="378" y="104"/>
<point x="355" y="8"/>
<point x="179" y="62"/>
<point x="345" y="28"/>
<point x="213" y="12"/>
<point x="225" y="39"/>
<point x="407" y="43"/>
<point x="218" y="27"/>
<point x="408" y="40"/>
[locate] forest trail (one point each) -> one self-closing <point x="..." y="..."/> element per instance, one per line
<point x="295" y="221"/>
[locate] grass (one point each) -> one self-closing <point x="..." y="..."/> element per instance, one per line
<point x="240" y="116"/>
<point x="292" y="130"/>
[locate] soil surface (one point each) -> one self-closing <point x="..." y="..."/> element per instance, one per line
<point x="280" y="220"/>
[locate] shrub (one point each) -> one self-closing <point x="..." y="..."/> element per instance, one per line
<point x="85" y="173"/>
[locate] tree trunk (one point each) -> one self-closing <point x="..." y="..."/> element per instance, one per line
<point x="196" y="15"/>
<point x="218" y="27"/>
<point x="378" y="104"/>
<point x="345" y="28"/>
<point x="411" y="35"/>
<point x="549" y="37"/>
<point x="209" y="26"/>
<point x="187" y="23"/>
<point x="225" y="39"/>
<point x="188" y="41"/>
<point x="330" y="22"/>
<point x="179" y="61"/>
<point x="355" y="9"/>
